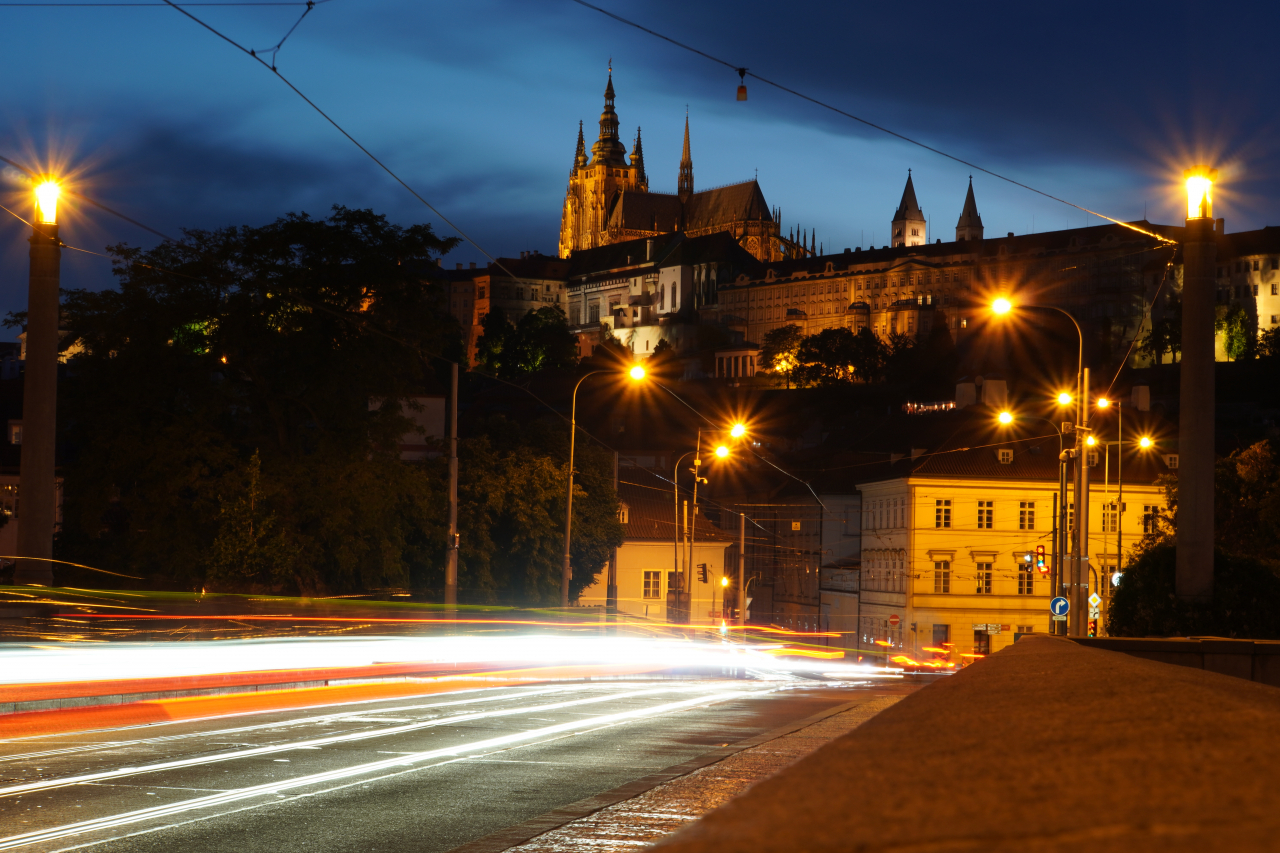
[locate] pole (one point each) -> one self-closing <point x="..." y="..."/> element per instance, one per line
<point x="611" y="590"/>
<point x="1194" y="572"/>
<point x="682" y="592"/>
<point x="1106" y="584"/>
<point x="742" y="573"/>
<point x="1053" y="560"/>
<point x="1080" y="591"/>
<point x="1060" y="565"/>
<point x="37" y="478"/>
<point x="567" y="572"/>
<point x="451" y="555"/>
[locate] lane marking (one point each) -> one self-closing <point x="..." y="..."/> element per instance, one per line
<point x="316" y="743"/>
<point x="92" y="747"/>
<point x="274" y="788"/>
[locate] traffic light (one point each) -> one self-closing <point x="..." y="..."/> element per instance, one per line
<point x="702" y="573"/>
<point x="1093" y="627"/>
<point x="1041" y="563"/>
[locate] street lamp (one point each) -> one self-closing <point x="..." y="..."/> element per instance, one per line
<point x="1005" y="418"/>
<point x="1003" y="306"/>
<point x="40" y="392"/>
<point x="721" y="451"/>
<point x="636" y="373"/>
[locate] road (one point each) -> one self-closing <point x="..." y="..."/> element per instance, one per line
<point x="425" y="774"/>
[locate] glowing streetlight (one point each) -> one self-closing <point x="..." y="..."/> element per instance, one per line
<point x="637" y="373"/>
<point x="47" y="194"/>
<point x="1091" y="441"/>
<point x="1103" y="402"/>
<point x="1065" y="399"/>
<point x="722" y="451"/>
<point x="724" y="581"/>
<point x="1005" y="418"/>
<point x="1200" y="191"/>
<point x="1002" y="306"/>
<point x="1145" y="442"/>
<point x="739" y="430"/>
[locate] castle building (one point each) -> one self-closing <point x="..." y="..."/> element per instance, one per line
<point x="908" y="221"/>
<point x="608" y="200"/>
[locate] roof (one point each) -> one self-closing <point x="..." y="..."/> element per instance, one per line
<point x="633" y="210"/>
<point x="909" y="208"/>
<point x="534" y="266"/>
<point x="722" y="205"/>
<point x="629" y="253"/>
<point x="969" y="217"/>
<point x="651" y="509"/>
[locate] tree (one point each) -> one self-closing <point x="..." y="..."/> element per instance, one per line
<point x="541" y="340"/>
<point x="826" y="359"/>
<point x="869" y="356"/>
<point x="1240" y="333"/>
<point x="778" y="354"/>
<point x="1164" y="336"/>
<point x="218" y="422"/>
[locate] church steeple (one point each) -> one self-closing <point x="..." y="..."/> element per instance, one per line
<point x="969" y="226"/>
<point x="608" y="150"/>
<point x="684" y="185"/>
<point x="580" y="156"/>
<point x="908" y="222"/>
<point x="637" y="162"/>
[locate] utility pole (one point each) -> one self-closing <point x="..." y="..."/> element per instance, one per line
<point x="1194" y="571"/>
<point x="611" y="588"/>
<point x="742" y="573"/>
<point x="451" y="555"/>
<point x="37" y="482"/>
<point x="1080" y="566"/>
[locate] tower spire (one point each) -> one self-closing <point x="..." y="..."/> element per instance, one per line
<point x="684" y="185"/>
<point x="908" y="221"/>
<point x="637" y="161"/>
<point x="969" y="226"/>
<point x="580" y="156"/>
<point x="608" y="149"/>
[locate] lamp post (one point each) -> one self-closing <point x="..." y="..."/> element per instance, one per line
<point x="738" y="430"/>
<point x="636" y="373"/>
<point x="1079" y="576"/>
<point x="37" y="483"/>
<point x="1145" y="443"/>
<point x="1194" y="561"/>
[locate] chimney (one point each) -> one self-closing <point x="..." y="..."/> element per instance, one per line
<point x="1220" y="226"/>
<point x="459" y="265"/>
<point x="648" y="249"/>
<point x="966" y="392"/>
<point x="473" y="264"/>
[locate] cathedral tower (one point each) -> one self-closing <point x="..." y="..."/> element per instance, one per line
<point x="908" y="223"/>
<point x="684" y="184"/>
<point x="970" y="225"/>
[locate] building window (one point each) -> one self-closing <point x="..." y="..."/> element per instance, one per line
<point x="1171" y="460"/>
<point x="981" y="643"/>
<point x="984" y="579"/>
<point x="1110" y="518"/>
<point x="1093" y="458"/>
<point x="15" y="433"/>
<point x="1026" y="515"/>
<point x="1255" y="266"/>
<point x="593" y="313"/>
<point x="1071" y="516"/>
<point x="986" y="514"/>
<point x="1150" y="512"/>
<point x="1006" y="455"/>
<point x="942" y="513"/>
<point x="653" y="584"/>
<point x="1026" y="629"/>
<point x="942" y="576"/>
<point x="941" y="635"/>
<point x="1255" y="290"/>
<point x="1026" y="579"/>
<point x="520" y="293"/>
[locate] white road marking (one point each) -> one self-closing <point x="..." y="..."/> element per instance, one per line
<point x="274" y="788"/>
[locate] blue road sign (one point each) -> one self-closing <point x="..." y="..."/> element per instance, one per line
<point x="1059" y="606"/>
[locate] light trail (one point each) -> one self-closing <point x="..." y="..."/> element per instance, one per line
<point x="280" y="724"/>
<point x="316" y="743"/>
<point x="226" y="797"/>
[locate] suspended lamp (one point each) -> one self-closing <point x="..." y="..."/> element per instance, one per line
<point x="742" y="85"/>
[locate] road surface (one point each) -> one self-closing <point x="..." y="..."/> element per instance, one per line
<point x="423" y="774"/>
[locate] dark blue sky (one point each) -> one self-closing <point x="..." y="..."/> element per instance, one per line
<point x="476" y="104"/>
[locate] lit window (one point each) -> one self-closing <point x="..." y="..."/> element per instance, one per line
<point x="942" y="577"/>
<point x="1006" y="456"/>
<point x="1026" y="515"/>
<point x="1110" y="518"/>
<point x="1171" y="460"/>
<point x="986" y="514"/>
<point x="1150" y="518"/>
<point x="653" y="584"/>
<point x="1026" y="581"/>
<point x="984" y="579"/>
<point x="942" y="513"/>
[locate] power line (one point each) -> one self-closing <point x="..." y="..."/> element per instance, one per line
<point x="744" y="71"/>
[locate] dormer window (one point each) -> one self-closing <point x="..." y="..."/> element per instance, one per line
<point x="624" y="512"/>
<point x="1171" y="460"/>
<point x="1005" y="455"/>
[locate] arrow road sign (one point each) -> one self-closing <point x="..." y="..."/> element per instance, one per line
<point x="1059" y="606"/>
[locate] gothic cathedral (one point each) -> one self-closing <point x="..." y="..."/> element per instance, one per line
<point x="608" y="200"/>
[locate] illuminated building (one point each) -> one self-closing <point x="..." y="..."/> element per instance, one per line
<point x="608" y="200"/>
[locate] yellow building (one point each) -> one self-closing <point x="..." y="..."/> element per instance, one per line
<point x="945" y="543"/>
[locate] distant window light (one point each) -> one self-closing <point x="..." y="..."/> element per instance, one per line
<point x="1005" y="455"/>
<point x="1256" y="266"/>
<point x="1171" y="460"/>
<point x="1275" y="290"/>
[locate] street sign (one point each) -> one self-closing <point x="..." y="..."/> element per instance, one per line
<point x="1095" y="613"/>
<point x="894" y="620"/>
<point x="1059" y="619"/>
<point x="1095" y="601"/>
<point x="1059" y="606"/>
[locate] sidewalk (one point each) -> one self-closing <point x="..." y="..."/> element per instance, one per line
<point x="658" y="805"/>
<point x="1043" y="746"/>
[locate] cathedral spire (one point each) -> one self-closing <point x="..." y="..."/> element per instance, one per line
<point x="969" y="226"/>
<point x="580" y="156"/>
<point x="908" y="222"/>
<point x="608" y="149"/>
<point x="637" y="161"/>
<point x="684" y="186"/>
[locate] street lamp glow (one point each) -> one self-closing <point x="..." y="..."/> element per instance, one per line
<point x="1200" y="191"/>
<point x="1144" y="442"/>
<point x="47" y="203"/>
<point x="637" y="372"/>
<point x="722" y="451"/>
<point x="1103" y="402"/>
<point x="724" y="581"/>
<point x="1091" y="441"/>
<point x="1065" y="399"/>
<point x="1005" y="418"/>
<point x="1002" y="306"/>
<point x="739" y="430"/>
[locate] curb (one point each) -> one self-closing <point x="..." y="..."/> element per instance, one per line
<point x="505" y="839"/>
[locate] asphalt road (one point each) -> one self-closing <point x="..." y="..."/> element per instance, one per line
<point x="424" y="774"/>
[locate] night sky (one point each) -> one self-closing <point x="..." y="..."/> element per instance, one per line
<point x="476" y="104"/>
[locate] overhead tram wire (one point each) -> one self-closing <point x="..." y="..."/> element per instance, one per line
<point x="860" y="120"/>
<point x="250" y="53"/>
